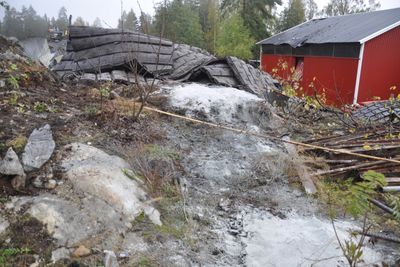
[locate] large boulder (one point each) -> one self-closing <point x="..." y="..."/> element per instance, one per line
<point x="39" y="148"/>
<point x="100" y="175"/>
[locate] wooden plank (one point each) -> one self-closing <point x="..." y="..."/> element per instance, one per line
<point x="304" y="176"/>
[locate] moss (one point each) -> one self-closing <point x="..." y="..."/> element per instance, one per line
<point x="18" y="143"/>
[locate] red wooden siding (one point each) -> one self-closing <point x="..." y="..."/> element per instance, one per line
<point x="335" y="76"/>
<point x="381" y="66"/>
<point x="270" y="62"/>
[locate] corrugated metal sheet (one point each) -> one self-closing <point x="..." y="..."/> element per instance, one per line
<point x="340" y="29"/>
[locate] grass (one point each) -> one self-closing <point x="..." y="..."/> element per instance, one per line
<point x="6" y="253"/>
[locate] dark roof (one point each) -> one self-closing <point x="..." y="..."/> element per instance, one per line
<point x="351" y="28"/>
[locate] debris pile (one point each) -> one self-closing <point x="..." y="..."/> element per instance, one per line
<point x="113" y="55"/>
<point x="379" y="143"/>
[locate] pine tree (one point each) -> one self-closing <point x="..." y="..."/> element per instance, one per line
<point x="257" y="16"/>
<point x="128" y="21"/>
<point x="293" y="15"/>
<point x="79" y="22"/>
<point x="62" y="20"/>
<point x="211" y="25"/>
<point x="178" y="22"/>
<point x="145" y="23"/>
<point x="234" y="38"/>
<point x="97" y="23"/>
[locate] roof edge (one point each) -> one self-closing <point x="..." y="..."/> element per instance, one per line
<point x="380" y="32"/>
<point x="261" y="42"/>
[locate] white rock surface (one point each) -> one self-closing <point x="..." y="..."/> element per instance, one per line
<point x="100" y="175"/>
<point x="10" y="165"/>
<point x="298" y="241"/>
<point x="59" y="254"/>
<point x="39" y="148"/>
<point x="219" y="104"/>
<point x="3" y="225"/>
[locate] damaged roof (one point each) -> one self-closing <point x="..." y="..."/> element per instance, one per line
<point x="353" y="28"/>
<point x="97" y="54"/>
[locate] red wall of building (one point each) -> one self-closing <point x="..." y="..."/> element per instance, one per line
<point x="270" y="62"/>
<point x="381" y="66"/>
<point x="334" y="76"/>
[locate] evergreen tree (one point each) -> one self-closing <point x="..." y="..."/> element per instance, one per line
<point x="145" y="23"/>
<point x="293" y="15"/>
<point x="342" y="7"/>
<point x="128" y="21"/>
<point x="13" y="24"/>
<point x="79" y="22"/>
<point x="97" y="23"/>
<point x="234" y="38"/>
<point x="62" y="20"/>
<point x="211" y="25"/>
<point x="178" y="22"/>
<point x="257" y="16"/>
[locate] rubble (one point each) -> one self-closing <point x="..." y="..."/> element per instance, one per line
<point x="96" y="54"/>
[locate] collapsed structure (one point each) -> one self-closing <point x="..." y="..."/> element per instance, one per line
<point x="124" y="56"/>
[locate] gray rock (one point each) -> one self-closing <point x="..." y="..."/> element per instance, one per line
<point x="60" y="254"/>
<point x="3" y="225"/>
<point x="101" y="176"/>
<point x="110" y="259"/>
<point x="11" y="165"/>
<point x="39" y="148"/>
<point x="50" y="184"/>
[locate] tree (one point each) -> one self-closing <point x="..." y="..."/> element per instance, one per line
<point x="211" y="25"/>
<point x="13" y="24"/>
<point x="292" y="15"/>
<point x="234" y="38"/>
<point x="5" y="5"/>
<point x="62" y="20"/>
<point x="311" y="9"/>
<point x="97" y="23"/>
<point x="179" y="22"/>
<point x="145" y="23"/>
<point x="342" y="7"/>
<point x="79" y="22"/>
<point x="128" y="21"/>
<point x="257" y="15"/>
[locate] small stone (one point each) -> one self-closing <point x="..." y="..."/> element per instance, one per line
<point x="81" y="251"/>
<point x="18" y="182"/>
<point x="3" y="225"/>
<point x="37" y="182"/>
<point x="51" y="184"/>
<point x="11" y="165"/>
<point x="110" y="259"/>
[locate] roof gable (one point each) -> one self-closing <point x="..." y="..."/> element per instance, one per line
<point x="351" y="28"/>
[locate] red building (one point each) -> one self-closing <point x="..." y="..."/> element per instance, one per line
<point x="351" y="59"/>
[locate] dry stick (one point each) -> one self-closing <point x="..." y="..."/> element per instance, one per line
<point x="340" y="151"/>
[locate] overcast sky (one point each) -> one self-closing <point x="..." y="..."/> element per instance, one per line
<point x="109" y="10"/>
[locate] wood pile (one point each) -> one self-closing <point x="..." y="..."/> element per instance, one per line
<point x="379" y="143"/>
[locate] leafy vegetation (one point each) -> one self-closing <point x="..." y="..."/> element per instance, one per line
<point x="11" y="252"/>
